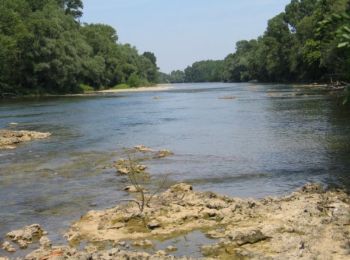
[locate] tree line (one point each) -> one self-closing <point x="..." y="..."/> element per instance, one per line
<point x="308" y="42"/>
<point x="45" y="49"/>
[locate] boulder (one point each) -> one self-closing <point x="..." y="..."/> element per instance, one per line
<point x="247" y="237"/>
<point x="7" y="246"/>
<point x="26" y="235"/>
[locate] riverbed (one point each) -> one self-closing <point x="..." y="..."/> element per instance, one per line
<point x="246" y="140"/>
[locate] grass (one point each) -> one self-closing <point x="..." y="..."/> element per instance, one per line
<point x="86" y="88"/>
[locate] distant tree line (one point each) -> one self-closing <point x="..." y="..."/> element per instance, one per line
<point x="308" y="42"/>
<point x="202" y="71"/>
<point x="45" y="49"/>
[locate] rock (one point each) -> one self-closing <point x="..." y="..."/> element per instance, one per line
<point x="123" y="167"/>
<point x="248" y="237"/>
<point x="171" y="249"/>
<point x="312" y="188"/>
<point x="143" y="243"/>
<point x="181" y="187"/>
<point x="310" y="224"/>
<point x="9" y="139"/>
<point x="142" y="148"/>
<point x="132" y="189"/>
<point x="153" y="224"/>
<point x="45" y="242"/>
<point x="163" y="153"/>
<point x="160" y="253"/>
<point x="122" y="243"/>
<point x="27" y="234"/>
<point x="3" y="258"/>
<point x="8" y="247"/>
<point x="22" y="244"/>
<point x="216" y="204"/>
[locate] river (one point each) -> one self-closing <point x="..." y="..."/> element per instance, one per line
<point x="247" y="140"/>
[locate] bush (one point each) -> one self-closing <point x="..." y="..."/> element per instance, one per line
<point x="86" y="88"/>
<point x="135" y="81"/>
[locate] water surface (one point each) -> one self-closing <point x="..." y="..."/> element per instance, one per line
<point x="267" y="140"/>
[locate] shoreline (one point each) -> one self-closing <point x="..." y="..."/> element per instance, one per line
<point x="155" y="88"/>
<point x="309" y="223"/>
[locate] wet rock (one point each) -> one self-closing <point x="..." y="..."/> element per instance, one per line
<point x="163" y="153"/>
<point x="45" y="242"/>
<point x="312" y="188"/>
<point x="309" y="223"/>
<point x="143" y="243"/>
<point x="131" y="189"/>
<point x="7" y="246"/>
<point x="122" y="243"/>
<point x="247" y="237"/>
<point x="143" y="149"/>
<point x="9" y="139"/>
<point x="124" y="167"/>
<point x="171" y="249"/>
<point x="26" y="235"/>
<point x="22" y="244"/>
<point x="154" y="224"/>
<point x="160" y="253"/>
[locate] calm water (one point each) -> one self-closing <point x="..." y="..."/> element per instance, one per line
<point x="269" y="140"/>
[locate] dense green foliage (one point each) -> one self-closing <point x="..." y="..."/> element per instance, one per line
<point x="308" y="42"/>
<point x="202" y="71"/>
<point x="45" y="49"/>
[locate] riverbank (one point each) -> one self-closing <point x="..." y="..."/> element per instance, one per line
<point x="309" y="223"/>
<point x="159" y="87"/>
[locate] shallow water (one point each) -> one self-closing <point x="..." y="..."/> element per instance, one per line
<point x="268" y="140"/>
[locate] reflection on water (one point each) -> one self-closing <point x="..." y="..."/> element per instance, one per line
<point x="269" y="140"/>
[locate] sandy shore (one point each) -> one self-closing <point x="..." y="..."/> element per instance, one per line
<point x="160" y="87"/>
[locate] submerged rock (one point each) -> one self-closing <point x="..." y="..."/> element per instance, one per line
<point x="142" y="148"/>
<point x="126" y="167"/>
<point x="9" y="139"/>
<point x="163" y="153"/>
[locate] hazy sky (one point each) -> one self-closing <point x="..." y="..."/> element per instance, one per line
<point x="181" y="32"/>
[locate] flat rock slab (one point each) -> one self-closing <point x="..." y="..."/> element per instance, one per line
<point x="309" y="223"/>
<point x="10" y="139"/>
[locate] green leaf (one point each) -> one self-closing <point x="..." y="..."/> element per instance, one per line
<point x="346" y="36"/>
<point x="343" y="44"/>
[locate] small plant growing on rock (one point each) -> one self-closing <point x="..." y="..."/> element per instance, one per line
<point x="139" y="180"/>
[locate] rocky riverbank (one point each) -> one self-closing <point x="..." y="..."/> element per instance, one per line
<point x="9" y="139"/>
<point x="311" y="223"/>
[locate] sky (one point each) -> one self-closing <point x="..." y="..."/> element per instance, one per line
<point x="180" y="32"/>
